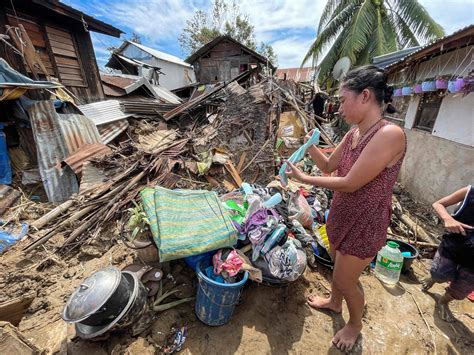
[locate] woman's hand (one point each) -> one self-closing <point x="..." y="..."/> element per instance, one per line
<point x="453" y="226"/>
<point x="308" y="135"/>
<point x="293" y="172"/>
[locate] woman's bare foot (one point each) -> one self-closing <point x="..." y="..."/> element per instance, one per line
<point x="345" y="339"/>
<point x="324" y="303"/>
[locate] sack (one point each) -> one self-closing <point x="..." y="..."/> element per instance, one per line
<point x="187" y="222"/>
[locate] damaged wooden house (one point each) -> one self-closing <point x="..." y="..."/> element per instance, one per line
<point x="48" y="39"/>
<point x="223" y="59"/>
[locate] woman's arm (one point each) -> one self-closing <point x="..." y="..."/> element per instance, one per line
<point x="388" y="143"/>
<point x="450" y="223"/>
<point x="324" y="163"/>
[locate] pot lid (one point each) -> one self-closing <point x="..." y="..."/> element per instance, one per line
<point x="92" y="294"/>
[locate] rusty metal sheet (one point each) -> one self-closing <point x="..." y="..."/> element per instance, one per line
<point x="117" y="81"/>
<point x="85" y="153"/>
<point x="299" y="75"/>
<point x="109" y="131"/>
<point x="51" y="147"/>
<point x="77" y="130"/>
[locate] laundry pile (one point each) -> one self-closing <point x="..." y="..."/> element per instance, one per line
<point x="275" y="225"/>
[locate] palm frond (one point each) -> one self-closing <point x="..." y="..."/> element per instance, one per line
<point x="390" y="31"/>
<point x="361" y="28"/>
<point x="379" y="47"/>
<point x="406" y="37"/>
<point x="340" y="7"/>
<point x="333" y="55"/>
<point x="418" y="19"/>
<point x="332" y="29"/>
<point x="327" y="12"/>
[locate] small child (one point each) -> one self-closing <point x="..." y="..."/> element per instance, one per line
<point x="454" y="260"/>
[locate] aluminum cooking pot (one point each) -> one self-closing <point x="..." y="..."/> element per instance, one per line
<point x="99" y="299"/>
<point x="135" y="307"/>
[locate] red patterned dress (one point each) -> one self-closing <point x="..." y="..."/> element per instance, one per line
<point x="358" y="221"/>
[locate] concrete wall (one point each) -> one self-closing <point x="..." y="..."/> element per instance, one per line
<point x="435" y="167"/>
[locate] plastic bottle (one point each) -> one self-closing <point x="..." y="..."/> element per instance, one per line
<point x="389" y="263"/>
<point x="5" y="168"/>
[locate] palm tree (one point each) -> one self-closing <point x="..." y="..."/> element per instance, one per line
<point x="363" y="29"/>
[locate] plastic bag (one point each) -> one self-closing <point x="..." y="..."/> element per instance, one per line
<point x="287" y="262"/>
<point x="299" y="209"/>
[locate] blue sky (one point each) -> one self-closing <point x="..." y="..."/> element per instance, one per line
<point x="288" y="25"/>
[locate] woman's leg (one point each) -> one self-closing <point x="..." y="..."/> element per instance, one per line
<point x="334" y="302"/>
<point x="347" y="271"/>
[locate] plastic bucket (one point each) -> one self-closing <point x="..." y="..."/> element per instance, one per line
<point x="193" y="261"/>
<point x="215" y="302"/>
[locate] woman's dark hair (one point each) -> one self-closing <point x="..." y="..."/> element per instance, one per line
<point x="372" y="78"/>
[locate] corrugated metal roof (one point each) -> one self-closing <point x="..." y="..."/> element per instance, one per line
<point x="385" y="60"/>
<point x="160" y="55"/>
<point x="86" y="152"/>
<point x="109" y="131"/>
<point x="110" y="90"/>
<point x="166" y="95"/>
<point x="119" y="85"/>
<point x="128" y="83"/>
<point x="115" y="80"/>
<point x="77" y="130"/>
<point x="103" y="111"/>
<point x="296" y="74"/>
<point x="434" y="44"/>
<point x="50" y="143"/>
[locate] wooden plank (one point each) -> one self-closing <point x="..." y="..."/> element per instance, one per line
<point x="59" y="39"/>
<point x="70" y="62"/>
<point x="241" y="162"/>
<point x="73" y="77"/>
<point x="211" y="180"/>
<point x="228" y="185"/>
<point x="233" y="171"/>
<point x="57" y="32"/>
<point x="73" y="83"/>
<point x="64" y="52"/>
<point x="29" y="25"/>
<point x="86" y="56"/>
<point x="68" y="70"/>
<point x="37" y="39"/>
<point x="12" y="311"/>
<point x="67" y="47"/>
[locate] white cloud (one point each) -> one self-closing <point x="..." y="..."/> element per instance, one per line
<point x="452" y="15"/>
<point x="268" y="16"/>
<point x="291" y="51"/>
<point x="157" y="20"/>
<point x="289" y="25"/>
